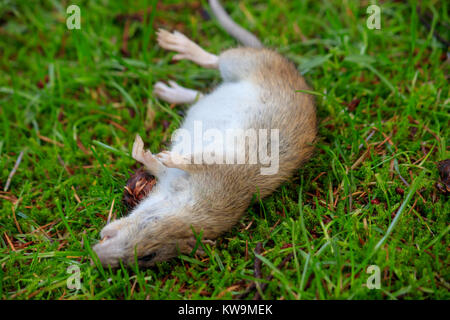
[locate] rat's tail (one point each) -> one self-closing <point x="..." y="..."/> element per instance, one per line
<point x="231" y="27"/>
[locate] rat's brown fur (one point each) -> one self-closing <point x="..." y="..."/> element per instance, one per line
<point x="215" y="196"/>
<point x="223" y="192"/>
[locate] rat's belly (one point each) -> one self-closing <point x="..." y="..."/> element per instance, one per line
<point x="217" y="121"/>
<point x="229" y="106"/>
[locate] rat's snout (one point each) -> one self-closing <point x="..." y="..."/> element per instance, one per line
<point x="144" y="239"/>
<point x="127" y="239"/>
<point x="113" y="244"/>
<point x="106" y="254"/>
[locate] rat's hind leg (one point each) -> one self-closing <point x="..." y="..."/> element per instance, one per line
<point x="174" y="93"/>
<point x="187" y="49"/>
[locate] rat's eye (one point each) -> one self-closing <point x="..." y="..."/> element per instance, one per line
<point x="148" y="257"/>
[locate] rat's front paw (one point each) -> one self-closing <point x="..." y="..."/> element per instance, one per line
<point x="138" y="152"/>
<point x="172" y="160"/>
<point x="177" y="42"/>
<point x="186" y="48"/>
<point x="174" y="93"/>
<point x="146" y="157"/>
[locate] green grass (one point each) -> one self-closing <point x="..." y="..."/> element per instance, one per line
<point x="342" y="212"/>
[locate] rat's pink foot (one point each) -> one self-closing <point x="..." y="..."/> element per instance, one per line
<point x="175" y="93"/>
<point x="146" y="157"/>
<point x="186" y="48"/>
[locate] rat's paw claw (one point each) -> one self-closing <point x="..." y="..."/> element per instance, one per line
<point x="177" y="42"/>
<point x="164" y="92"/>
<point x="148" y="157"/>
<point x="165" y="158"/>
<point x="170" y="159"/>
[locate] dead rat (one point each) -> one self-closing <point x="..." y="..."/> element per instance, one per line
<point x="195" y="191"/>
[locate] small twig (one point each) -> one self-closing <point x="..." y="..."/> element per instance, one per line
<point x="258" y="262"/>
<point x="13" y="171"/>
<point x="76" y="195"/>
<point x="246" y="250"/>
<point x="63" y="295"/>
<point x="124" y="49"/>
<point x="18" y="293"/>
<point x="82" y="147"/>
<point x="9" y="242"/>
<point x="110" y="212"/>
<point x="15" y="218"/>
<point x="257" y="272"/>
<point x="275" y="225"/>
<point x="68" y="170"/>
<point x="270" y="277"/>
<point x="118" y="126"/>
<point x="361" y="159"/>
<point x="43" y="232"/>
<point x="412" y="120"/>
<point x="249" y="225"/>
<point x="9" y="197"/>
<point x="132" y="287"/>
<point x="388" y="138"/>
<point x="318" y="176"/>
<point x="367" y="139"/>
<point x="403" y="179"/>
<point x="46" y="139"/>
<point x="383" y="142"/>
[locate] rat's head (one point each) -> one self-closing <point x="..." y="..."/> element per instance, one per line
<point x="147" y="240"/>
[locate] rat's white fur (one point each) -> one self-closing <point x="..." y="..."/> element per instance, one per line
<point x="229" y="106"/>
